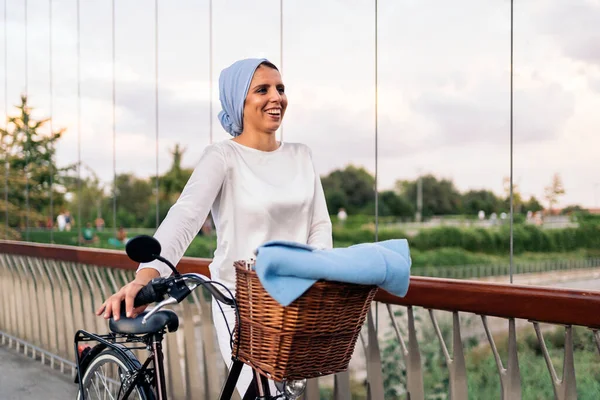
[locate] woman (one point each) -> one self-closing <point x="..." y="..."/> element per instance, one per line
<point x="258" y="189"/>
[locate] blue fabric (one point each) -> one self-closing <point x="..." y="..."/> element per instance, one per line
<point x="286" y="269"/>
<point x="234" y="82"/>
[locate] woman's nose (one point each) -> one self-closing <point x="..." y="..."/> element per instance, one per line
<point x="275" y="96"/>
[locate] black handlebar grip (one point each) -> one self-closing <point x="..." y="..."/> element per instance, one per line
<point x="145" y="296"/>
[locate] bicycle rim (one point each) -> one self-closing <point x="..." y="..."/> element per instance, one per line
<point x="102" y="379"/>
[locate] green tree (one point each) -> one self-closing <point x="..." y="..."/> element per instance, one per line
<point x="172" y="183"/>
<point x="352" y="188"/>
<point x="517" y="198"/>
<point x="532" y="205"/>
<point x="134" y="199"/>
<point x="440" y="197"/>
<point x="33" y="177"/>
<point x="553" y="191"/>
<point x="90" y="197"/>
<point x="475" y="200"/>
<point x="392" y="204"/>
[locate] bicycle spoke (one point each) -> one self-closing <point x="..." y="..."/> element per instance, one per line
<point x="105" y="384"/>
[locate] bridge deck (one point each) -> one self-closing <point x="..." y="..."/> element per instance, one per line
<point x="23" y="378"/>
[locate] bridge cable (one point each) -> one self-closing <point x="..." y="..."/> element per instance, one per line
<point x="50" y="84"/>
<point x="78" y="123"/>
<point x="156" y="125"/>
<point x="210" y="71"/>
<point x="281" y="54"/>
<point x="114" y="130"/>
<point x="6" y="163"/>
<point x="511" y="142"/>
<point x="27" y="132"/>
<point x="376" y="67"/>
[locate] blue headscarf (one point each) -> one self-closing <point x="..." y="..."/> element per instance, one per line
<point x="234" y="83"/>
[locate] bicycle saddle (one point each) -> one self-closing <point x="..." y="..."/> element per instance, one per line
<point x="157" y="322"/>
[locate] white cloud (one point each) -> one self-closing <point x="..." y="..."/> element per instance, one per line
<point x="443" y="83"/>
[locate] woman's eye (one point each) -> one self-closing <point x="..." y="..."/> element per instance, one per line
<point x="281" y="90"/>
<point x="261" y="90"/>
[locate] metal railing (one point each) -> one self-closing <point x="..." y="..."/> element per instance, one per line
<point x="47" y="292"/>
<point x="485" y="270"/>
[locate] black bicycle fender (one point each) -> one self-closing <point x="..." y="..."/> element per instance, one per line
<point x="87" y="356"/>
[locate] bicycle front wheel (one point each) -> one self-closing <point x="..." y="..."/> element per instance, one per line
<point x="105" y="376"/>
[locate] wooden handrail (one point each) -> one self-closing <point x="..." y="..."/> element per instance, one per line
<point x="542" y="304"/>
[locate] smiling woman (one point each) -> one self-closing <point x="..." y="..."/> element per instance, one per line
<point x="258" y="190"/>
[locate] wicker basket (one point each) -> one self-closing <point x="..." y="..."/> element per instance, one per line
<point x="313" y="336"/>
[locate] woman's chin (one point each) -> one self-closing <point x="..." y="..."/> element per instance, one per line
<point x="272" y="128"/>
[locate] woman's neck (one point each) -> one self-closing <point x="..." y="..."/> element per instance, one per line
<point x="262" y="141"/>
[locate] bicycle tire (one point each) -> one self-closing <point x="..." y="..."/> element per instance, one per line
<point x="108" y="357"/>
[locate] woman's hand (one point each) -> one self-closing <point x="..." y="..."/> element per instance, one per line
<point x="112" y="305"/>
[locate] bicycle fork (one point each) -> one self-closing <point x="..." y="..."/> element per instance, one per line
<point x="259" y="388"/>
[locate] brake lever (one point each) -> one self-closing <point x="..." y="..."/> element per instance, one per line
<point x="166" y="302"/>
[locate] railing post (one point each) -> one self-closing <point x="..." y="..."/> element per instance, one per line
<point x="374" y="373"/>
<point x="565" y="388"/>
<point x="510" y="377"/>
<point x="341" y="386"/>
<point x="456" y="365"/>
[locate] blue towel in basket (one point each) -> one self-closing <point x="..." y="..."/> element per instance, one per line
<point x="287" y="269"/>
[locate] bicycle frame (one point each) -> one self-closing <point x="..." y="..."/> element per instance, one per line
<point x="154" y="340"/>
<point x="261" y="383"/>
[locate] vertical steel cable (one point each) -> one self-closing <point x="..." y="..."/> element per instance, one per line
<point x="511" y="145"/>
<point x="210" y="71"/>
<point x="376" y="127"/>
<point x="281" y="51"/>
<point x="114" y="124"/>
<point x="78" y="123"/>
<point x="156" y="100"/>
<point x="376" y="149"/>
<point x="50" y="83"/>
<point x="27" y="133"/>
<point x="6" y="163"/>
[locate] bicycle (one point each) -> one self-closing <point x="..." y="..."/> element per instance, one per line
<point x="111" y="370"/>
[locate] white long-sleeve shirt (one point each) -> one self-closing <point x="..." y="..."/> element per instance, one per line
<point x="255" y="196"/>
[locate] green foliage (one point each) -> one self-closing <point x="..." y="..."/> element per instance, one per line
<point x="483" y="381"/>
<point x="440" y="197"/>
<point x="527" y="238"/>
<point x="351" y="188"/>
<point x="26" y="146"/>
<point x="475" y="200"/>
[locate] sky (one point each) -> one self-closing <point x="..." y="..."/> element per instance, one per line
<point x="443" y="84"/>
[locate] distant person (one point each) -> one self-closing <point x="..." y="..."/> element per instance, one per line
<point x="121" y="238"/>
<point x="69" y="221"/>
<point x="122" y="235"/>
<point x="99" y="222"/>
<point x="342" y="216"/>
<point x="89" y="236"/>
<point x="481" y="215"/>
<point x="61" y="221"/>
<point x="207" y="227"/>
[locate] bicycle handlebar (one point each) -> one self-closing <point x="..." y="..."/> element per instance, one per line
<point x="178" y="288"/>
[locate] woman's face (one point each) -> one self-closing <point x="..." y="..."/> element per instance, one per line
<point x="266" y="101"/>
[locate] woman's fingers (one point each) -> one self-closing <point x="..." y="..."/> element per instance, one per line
<point x="100" y="310"/>
<point x="131" y="290"/>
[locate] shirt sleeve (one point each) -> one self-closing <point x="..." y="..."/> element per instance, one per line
<point x="186" y="216"/>
<point x="320" y="234"/>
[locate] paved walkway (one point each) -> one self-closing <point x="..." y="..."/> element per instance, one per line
<point x="23" y="378"/>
